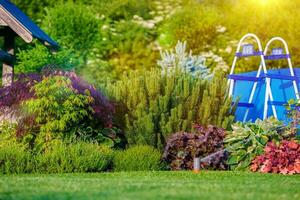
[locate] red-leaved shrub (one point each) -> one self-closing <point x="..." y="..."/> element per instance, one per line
<point x="284" y="158"/>
<point x="182" y="148"/>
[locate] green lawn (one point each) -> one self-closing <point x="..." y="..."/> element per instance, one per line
<point x="151" y="185"/>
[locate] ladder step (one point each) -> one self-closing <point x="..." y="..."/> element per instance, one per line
<point x="277" y="57"/>
<point x="245" y="78"/>
<point x="256" y="53"/>
<point x="282" y="77"/>
<point x="277" y="103"/>
<point x="246" y="105"/>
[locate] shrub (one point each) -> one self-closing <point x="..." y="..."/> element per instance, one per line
<point x="151" y="105"/>
<point x="34" y="8"/>
<point x="59" y="110"/>
<point x="182" y="148"/>
<point x="247" y="140"/>
<point x="76" y="157"/>
<point x="184" y="61"/>
<point x="14" y="158"/>
<point x="102" y="109"/>
<point x="283" y="158"/>
<point x="197" y="28"/>
<point x="76" y="30"/>
<point x="35" y="58"/>
<point x="138" y="158"/>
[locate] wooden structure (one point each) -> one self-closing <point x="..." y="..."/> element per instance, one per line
<point x="13" y="23"/>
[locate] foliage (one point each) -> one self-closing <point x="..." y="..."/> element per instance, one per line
<point x="293" y="113"/>
<point x="183" y="147"/>
<point x="59" y="110"/>
<point x="195" y="65"/>
<point x="76" y="157"/>
<point x="138" y="158"/>
<point x="19" y="91"/>
<point x="13" y="157"/>
<point x="151" y="105"/>
<point x="37" y="57"/>
<point x="122" y="46"/>
<point x="77" y="30"/>
<point x="284" y="159"/>
<point x="34" y="8"/>
<point x="247" y="140"/>
<point x="121" y="9"/>
<point x="197" y="28"/>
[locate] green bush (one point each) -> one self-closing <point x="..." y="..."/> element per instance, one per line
<point x="138" y="158"/>
<point x="57" y="109"/>
<point x="195" y="24"/>
<point x="76" y="157"/>
<point x="37" y="57"/>
<point x="35" y="8"/>
<point x="150" y="105"/>
<point x="14" y="158"/>
<point x="73" y="26"/>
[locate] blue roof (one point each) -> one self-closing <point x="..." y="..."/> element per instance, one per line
<point x="27" y="22"/>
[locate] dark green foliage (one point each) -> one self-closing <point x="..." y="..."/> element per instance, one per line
<point x="73" y="26"/>
<point x="156" y="105"/>
<point x="76" y="157"/>
<point x="35" y="8"/>
<point x="138" y="158"/>
<point x="182" y="148"/>
<point x="247" y="140"/>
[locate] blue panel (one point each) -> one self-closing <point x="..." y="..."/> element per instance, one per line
<point x="27" y="22"/>
<point x="282" y="90"/>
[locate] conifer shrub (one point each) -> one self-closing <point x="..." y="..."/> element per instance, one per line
<point x="151" y="105"/>
<point x="183" y="147"/>
<point x="138" y="158"/>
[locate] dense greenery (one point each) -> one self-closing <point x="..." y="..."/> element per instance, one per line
<point x="138" y="158"/>
<point x="60" y="123"/>
<point x="151" y="185"/>
<point x="152" y="105"/>
<point x="247" y="140"/>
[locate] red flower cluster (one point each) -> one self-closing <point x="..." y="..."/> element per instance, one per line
<point x="284" y="159"/>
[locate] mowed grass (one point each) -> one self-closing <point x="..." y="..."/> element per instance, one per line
<point x="151" y="185"/>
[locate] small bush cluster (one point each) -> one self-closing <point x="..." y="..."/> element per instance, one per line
<point x="138" y="158"/>
<point x="58" y="158"/>
<point x="247" y="140"/>
<point x="283" y="158"/>
<point x="182" y="148"/>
